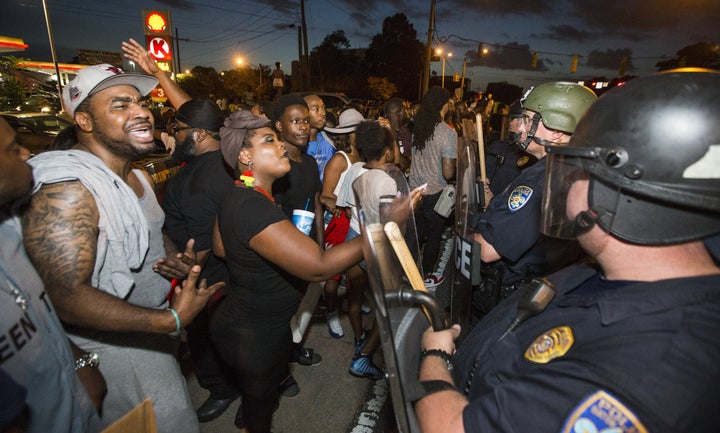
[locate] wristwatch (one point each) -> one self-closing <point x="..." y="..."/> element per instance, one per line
<point x="87" y="360"/>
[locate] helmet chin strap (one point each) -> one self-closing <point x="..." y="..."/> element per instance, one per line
<point x="584" y="222"/>
<point x="543" y="142"/>
<point x="531" y="133"/>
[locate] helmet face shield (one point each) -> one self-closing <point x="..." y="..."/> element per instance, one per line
<point x="651" y="151"/>
<point x="565" y="196"/>
<point x="565" y="209"/>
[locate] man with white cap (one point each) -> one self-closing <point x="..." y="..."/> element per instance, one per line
<point x="93" y="231"/>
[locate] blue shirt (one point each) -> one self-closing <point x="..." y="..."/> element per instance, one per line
<point x="322" y="150"/>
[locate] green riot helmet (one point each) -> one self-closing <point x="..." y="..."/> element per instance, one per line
<point x="649" y="152"/>
<point x="559" y="105"/>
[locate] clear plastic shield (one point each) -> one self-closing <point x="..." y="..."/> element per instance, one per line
<point x="390" y="248"/>
<point x="466" y="252"/>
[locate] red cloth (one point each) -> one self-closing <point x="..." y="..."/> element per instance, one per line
<point x="336" y="232"/>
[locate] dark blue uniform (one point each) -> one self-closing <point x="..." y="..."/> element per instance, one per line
<point x="504" y="163"/>
<point x="511" y="225"/>
<point x="602" y="355"/>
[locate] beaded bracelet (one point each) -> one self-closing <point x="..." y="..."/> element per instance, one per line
<point x="440" y="353"/>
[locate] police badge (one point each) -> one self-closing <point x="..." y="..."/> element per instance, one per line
<point x="518" y="197"/>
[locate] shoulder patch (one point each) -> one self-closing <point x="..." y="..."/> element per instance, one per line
<point x="549" y="345"/>
<point x="602" y="412"/>
<point x="518" y="197"/>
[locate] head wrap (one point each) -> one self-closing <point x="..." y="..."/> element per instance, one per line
<point x="232" y="135"/>
<point x="201" y="114"/>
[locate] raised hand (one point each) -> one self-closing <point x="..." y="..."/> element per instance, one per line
<point x="138" y="54"/>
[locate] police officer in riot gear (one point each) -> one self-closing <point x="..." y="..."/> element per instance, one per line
<point x="511" y="246"/>
<point x="631" y="343"/>
<point x="504" y="158"/>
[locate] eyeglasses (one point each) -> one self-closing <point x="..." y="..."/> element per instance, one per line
<point x="174" y="128"/>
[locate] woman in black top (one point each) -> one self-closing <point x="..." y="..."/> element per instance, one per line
<point x="268" y="260"/>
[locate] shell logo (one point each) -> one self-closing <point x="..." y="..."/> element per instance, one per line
<point x="156" y="22"/>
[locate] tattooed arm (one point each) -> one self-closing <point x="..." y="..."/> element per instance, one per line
<point x="60" y="231"/>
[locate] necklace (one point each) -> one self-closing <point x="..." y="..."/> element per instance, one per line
<point x="20" y="299"/>
<point x="248" y="180"/>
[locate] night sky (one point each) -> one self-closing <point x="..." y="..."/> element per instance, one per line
<point x="218" y="31"/>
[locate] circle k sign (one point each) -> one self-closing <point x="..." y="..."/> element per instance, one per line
<point x="159" y="48"/>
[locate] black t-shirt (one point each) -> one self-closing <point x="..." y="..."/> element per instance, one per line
<point x="293" y="190"/>
<point x="259" y="294"/>
<point x="190" y="204"/>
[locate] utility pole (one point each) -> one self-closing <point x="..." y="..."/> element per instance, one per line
<point x="300" y="82"/>
<point x="428" y="52"/>
<point x="306" y="58"/>
<point x="177" y="55"/>
<point x="52" y="51"/>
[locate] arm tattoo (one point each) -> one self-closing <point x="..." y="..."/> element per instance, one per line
<point x="60" y="232"/>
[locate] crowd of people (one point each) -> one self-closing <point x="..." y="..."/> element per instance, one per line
<point x="591" y="208"/>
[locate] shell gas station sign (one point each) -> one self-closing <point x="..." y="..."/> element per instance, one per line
<point x="157" y="27"/>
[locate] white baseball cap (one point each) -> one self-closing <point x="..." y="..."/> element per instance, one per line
<point x="95" y="78"/>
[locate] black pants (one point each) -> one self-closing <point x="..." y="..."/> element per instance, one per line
<point x="210" y="371"/>
<point x="430" y="227"/>
<point x="259" y="360"/>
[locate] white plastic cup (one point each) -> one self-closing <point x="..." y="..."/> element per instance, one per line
<point x="303" y="220"/>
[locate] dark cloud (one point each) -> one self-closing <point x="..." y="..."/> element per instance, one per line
<point x="566" y="33"/>
<point x="634" y="16"/>
<point x="177" y="4"/>
<point x="494" y="7"/>
<point x="610" y="59"/>
<point x="513" y="56"/>
<point x="282" y="5"/>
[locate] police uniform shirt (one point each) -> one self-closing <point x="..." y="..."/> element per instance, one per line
<point x="511" y="225"/>
<point x="631" y="356"/>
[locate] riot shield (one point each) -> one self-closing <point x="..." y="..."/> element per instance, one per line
<point x="466" y="252"/>
<point x="403" y="314"/>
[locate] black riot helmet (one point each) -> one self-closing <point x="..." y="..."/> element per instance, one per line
<point x="651" y="153"/>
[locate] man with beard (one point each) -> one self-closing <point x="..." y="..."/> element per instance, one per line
<point x="93" y="230"/>
<point x="190" y="204"/>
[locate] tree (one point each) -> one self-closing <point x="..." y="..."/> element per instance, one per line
<point x="202" y="82"/>
<point x="331" y="65"/>
<point x="380" y="88"/>
<point x="398" y="55"/>
<point x="12" y="92"/>
<point x="504" y="92"/>
<point x="701" y="55"/>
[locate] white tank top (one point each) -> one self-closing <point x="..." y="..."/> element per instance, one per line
<point x="342" y="175"/>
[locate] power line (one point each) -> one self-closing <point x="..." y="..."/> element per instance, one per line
<point x="444" y="39"/>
